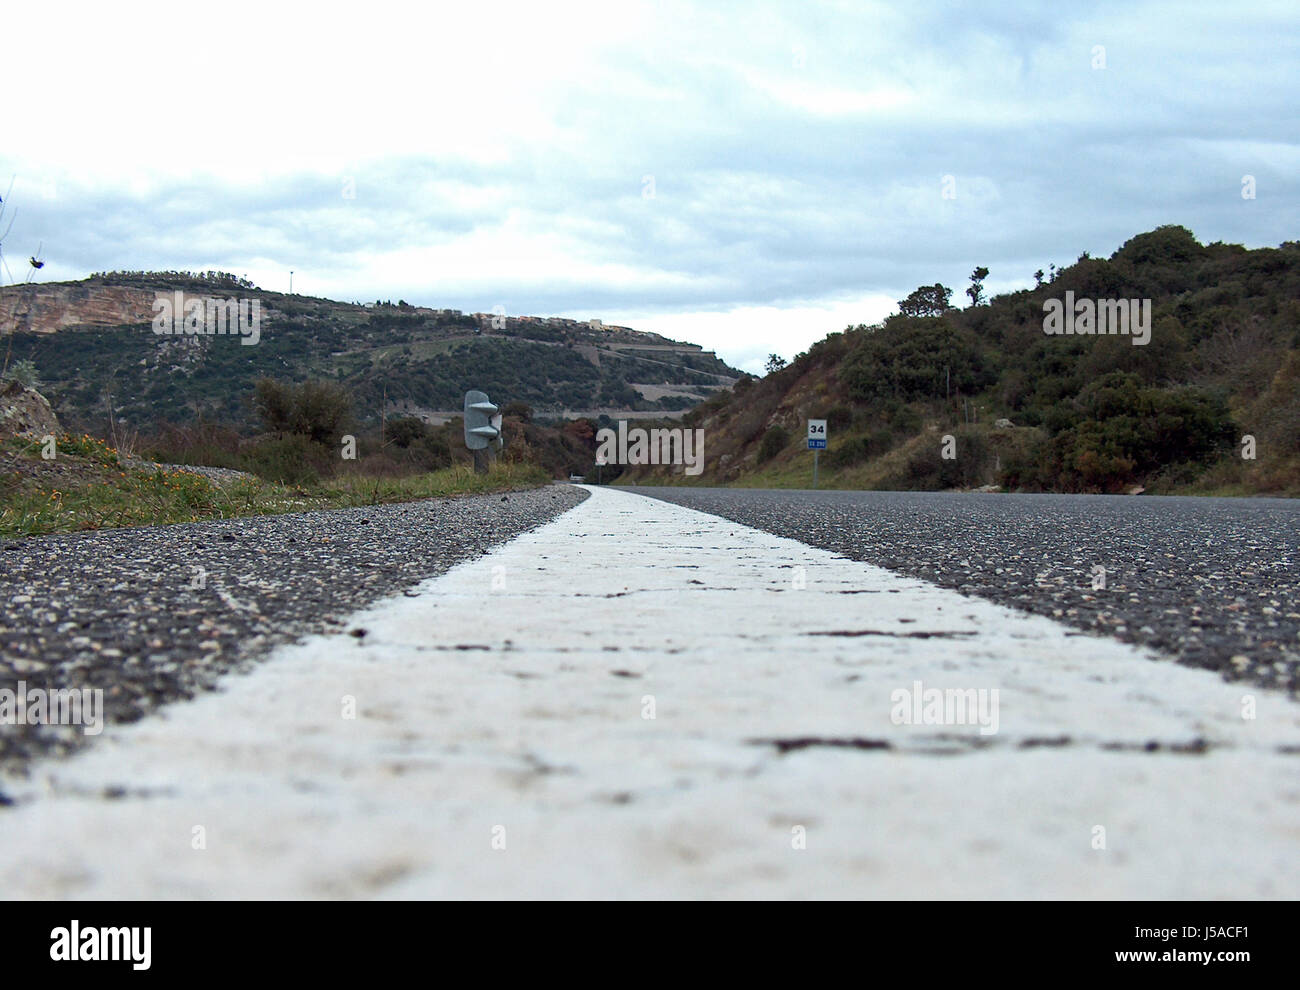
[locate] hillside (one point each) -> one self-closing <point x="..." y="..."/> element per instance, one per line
<point x="1210" y="404"/>
<point x="92" y="339"/>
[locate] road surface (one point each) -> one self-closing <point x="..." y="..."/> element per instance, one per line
<point x="1214" y="582"/>
<point x="637" y="699"/>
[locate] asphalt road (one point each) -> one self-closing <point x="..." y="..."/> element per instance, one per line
<point x="637" y="700"/>
<point x="1213" y="582"/>
<point x="151" y="615"/>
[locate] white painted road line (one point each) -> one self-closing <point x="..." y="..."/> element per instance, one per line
<point x="501" y="746"/>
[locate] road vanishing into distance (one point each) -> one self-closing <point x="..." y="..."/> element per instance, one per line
<point x="601" y="692"/>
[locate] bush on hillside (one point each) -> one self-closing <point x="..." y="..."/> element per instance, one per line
<point x="405" y="431"/>
<point x="1118" y="431"/>
<point x="290" y="460"/>
<point x="860" y="448"/>
<point x="928" y="470"/>
<point x="918" y="358"/>
<point x="774" y="441"/>
<point x="317" y="410"/>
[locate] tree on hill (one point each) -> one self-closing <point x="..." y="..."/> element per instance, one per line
<point x="316" y="410"/>
<point x="405" y="430"/>
<point x="928" y="300"/>
<point x="774" y="363"/>
<point x="1170" y="244"/>
<point x="520" y="410"/>
<point x="915" y="359"/>
<point x="976" y="290"/>
<point x="23" y="372"/>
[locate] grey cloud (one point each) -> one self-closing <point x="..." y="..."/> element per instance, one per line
<point x="760" y="202"/>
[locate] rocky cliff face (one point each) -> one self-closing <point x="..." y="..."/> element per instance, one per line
<point x="24" y="410"/>
<point x="51" y="307"/>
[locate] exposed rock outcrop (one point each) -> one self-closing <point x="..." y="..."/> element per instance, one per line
<point x="51" y="307"/>
<point x="25" y="410"/>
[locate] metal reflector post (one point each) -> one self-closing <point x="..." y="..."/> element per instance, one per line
<point x="482" y="426"/>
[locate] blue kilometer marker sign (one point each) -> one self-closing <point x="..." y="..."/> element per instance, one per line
<point x="816" y="434"/>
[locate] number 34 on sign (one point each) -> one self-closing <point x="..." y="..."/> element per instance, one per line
<point x="816" y="434"/>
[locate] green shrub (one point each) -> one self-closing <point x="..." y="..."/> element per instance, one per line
<point x="433" y="452"/>
<point x="405" y="431"/>
<point x="862" y="447"/>
<point x="23" y="372"/>
<point x="291" y="460"/>
<point x="927" y="470"/>
<point x="520" y="410"/>
<point x="838" y="417"/>
<point x="917" y="358"/>
<point x="906" y="421"/>
<point x="1170" y="244"/>
<point x="774" y="441"/>
<point x="1118" y="431"/>
<point x="317" y="410"/>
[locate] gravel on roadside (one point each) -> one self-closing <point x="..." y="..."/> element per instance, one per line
<point x="152" y="615"/>
<point x="211" y="473"/>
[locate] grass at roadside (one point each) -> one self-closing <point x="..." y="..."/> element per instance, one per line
<point x="905" y="463"/>
<point x="87" y="485"/>
<point x="347" y="490"/>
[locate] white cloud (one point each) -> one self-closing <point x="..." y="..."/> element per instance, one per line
<point x="744" y="336"/>
<point x="499" y="149"/>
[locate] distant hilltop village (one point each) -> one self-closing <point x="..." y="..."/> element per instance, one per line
<point x="499" y="321"/>
<point x="566" y="324"/>
<point x="489" y="321"/>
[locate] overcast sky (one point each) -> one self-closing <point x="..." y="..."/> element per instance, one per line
<point x="748" y="177"/>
